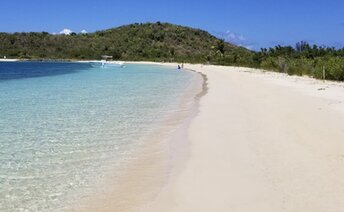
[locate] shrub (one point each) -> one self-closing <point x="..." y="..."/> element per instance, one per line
<point x="334" y="68"/>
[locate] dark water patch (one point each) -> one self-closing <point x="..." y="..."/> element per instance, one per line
<point x="22" y="70"/>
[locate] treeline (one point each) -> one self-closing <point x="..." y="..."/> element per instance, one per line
<point x="172" y="43"/>
<point x="303" y="59"/>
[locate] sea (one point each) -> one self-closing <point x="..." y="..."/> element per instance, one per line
<point x="64" y="125"/>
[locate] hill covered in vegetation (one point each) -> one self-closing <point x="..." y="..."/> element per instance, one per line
<point x="149" y="41"/>
<point x="168" y="42"/>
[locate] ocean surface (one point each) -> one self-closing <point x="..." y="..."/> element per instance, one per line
<point x="64" y="125"/>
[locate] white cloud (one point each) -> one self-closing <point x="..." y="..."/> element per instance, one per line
<point x="66" y="32"/>
<point x="232" y="37"/>
<point x="235" y="38"/>
<point x="83" y="31"/>
<point x="250" y="47"/>
<point x="241" y="38"/>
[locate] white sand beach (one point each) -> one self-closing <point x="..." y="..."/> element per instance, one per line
<point x="261" y="142"/>
<point x="8" y="60"/>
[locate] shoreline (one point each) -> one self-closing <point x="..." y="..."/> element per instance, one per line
<point x="153" y="162"/>
<point x="139" y="179"/>
<point x="9" y="60"/>
<point x="175" y="64"/>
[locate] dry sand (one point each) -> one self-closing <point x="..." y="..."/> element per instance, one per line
<point x="8" y="60"/>
<point x="261" y="142"/>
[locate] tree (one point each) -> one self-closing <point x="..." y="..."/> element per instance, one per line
<point x="302" y="46"/>
<point x="220" y="46"/>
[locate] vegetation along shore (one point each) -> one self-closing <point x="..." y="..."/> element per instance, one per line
<point x="167" y="42"/>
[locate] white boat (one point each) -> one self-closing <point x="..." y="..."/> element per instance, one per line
<point x="105" y="64"/>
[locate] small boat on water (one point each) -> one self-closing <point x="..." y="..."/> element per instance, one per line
<point x="106" y="63"/>
<point x="112" y="64"/>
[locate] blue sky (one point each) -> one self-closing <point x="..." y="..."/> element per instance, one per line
<point x="251" y="23"/>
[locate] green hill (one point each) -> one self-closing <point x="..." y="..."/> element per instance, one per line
<point x="149" y="41"/>
<point x="168" y="42"/>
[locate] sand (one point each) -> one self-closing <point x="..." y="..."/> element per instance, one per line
<point x="8" y="60"/>
<point x="261" y="142"/>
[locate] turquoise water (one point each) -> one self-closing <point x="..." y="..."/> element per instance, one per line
<point x="62" y="124"/>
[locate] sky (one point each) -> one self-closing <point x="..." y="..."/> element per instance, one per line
<point x="250" y="23"/>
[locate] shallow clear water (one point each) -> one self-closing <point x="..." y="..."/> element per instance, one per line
<point x="61" y="124"/>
